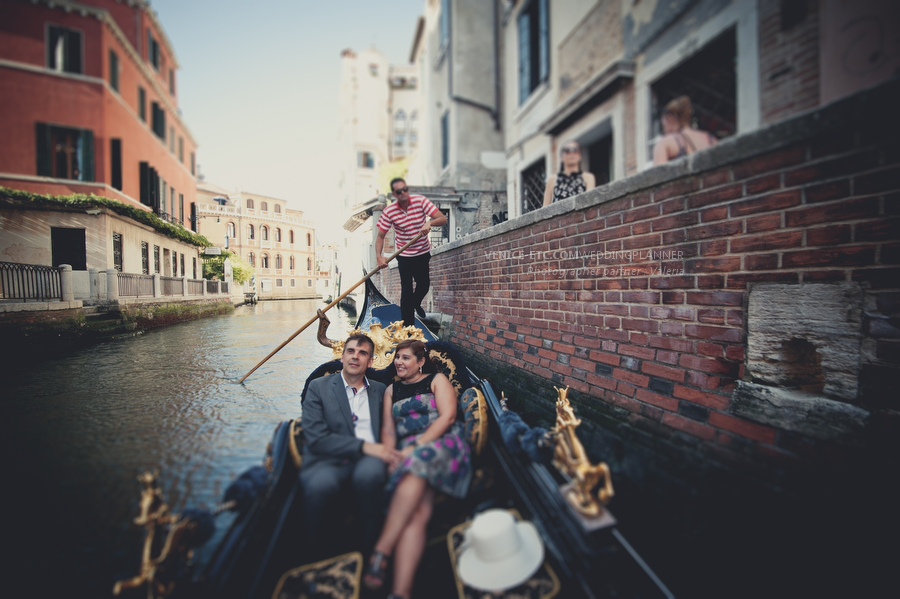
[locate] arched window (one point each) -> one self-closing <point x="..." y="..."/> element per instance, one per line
<point x="229" y="230"/>
<point x="309" y="239"/>
<point x="263" y="206"/>
<point x="400" y="121"/>
<point x="264" y="261"/>
<point x="292" y="263"/>
<point x="251" y="232"/>
<point x="251" y="259"/>
<point x="278" y="261"/>
<point x="278" y="235"/>
<point x="265" y="233"/>
<point x="309" y="264"/>
<point x="277" y="208"/>
<point x="291" y="236"/>
<point x="413" y="132"/>
<point x="250" y="204"/>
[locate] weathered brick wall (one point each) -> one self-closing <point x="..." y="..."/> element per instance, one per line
<point x="653" y="342"/>
<point x="788" y="60"/>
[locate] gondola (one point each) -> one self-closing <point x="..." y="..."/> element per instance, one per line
<point x="539" y="476"/>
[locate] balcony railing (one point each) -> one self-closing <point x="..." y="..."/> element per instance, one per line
<point x="29" y="282"/>
<point x="195" y="286"/>
<point x="172" y="286"/>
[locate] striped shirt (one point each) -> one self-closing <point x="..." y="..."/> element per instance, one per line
<point x="407" y="224"/>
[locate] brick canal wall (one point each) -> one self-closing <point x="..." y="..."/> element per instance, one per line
<point x="727" y="325"/>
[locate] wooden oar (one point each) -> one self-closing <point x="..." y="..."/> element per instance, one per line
<point x="331" y="305"/>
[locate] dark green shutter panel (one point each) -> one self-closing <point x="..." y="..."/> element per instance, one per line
<point x="44" y="159"/>
<point x="87" y="140"/>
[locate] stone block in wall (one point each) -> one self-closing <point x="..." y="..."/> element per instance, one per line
<point x="806" y="336"/>
<point x="800" y="412"/>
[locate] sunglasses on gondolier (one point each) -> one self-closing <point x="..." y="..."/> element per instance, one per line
<point x="401" y="190"/>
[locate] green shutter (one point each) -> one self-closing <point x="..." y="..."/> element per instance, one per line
<point x="42" y="143"/>
<point x="87" y="141"/>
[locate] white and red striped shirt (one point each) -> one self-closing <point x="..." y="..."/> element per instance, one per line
<point x="407" y="223"/>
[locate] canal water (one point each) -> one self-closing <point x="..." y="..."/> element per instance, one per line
<point x="81" y="427"/>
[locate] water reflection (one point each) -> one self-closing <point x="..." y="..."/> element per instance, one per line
<point x="83" y="426"/>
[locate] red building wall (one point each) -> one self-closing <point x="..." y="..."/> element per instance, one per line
<point x="31" y="93"/>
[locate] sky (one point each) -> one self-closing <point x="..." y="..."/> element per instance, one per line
<point x="258" y="86"/>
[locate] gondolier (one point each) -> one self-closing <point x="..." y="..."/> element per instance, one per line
<point x="409" y="215"/>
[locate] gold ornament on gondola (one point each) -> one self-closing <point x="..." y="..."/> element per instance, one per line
<point x="570" y="457"/>
<point x="384" y="338"/>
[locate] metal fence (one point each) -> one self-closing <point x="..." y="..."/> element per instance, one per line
<point x="212" y="286"/>
<point x="135" y="285"/>
<point x="172" y="285"/>
<point x="29" y="282"/>
<point x="195" y="286"/>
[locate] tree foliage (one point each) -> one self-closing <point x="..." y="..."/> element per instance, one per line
<point x="214" y="266"/>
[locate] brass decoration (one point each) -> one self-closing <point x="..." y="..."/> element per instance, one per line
<point x="569" y="456"/>
<point x="294" y="435"/>
<point x="164" y="554"/>
<point x="385" y="339"/>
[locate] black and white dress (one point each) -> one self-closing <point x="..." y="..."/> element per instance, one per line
<point x="568" y="186"/>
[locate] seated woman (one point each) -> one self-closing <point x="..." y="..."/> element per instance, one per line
<point x="680" y="138"/>
<point x="571" y="180"/>
<point x="419" y="410"/>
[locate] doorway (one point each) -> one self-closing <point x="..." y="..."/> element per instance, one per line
<point x="68" y="247"/>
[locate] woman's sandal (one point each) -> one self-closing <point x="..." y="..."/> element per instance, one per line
<point x="376" y="571"/>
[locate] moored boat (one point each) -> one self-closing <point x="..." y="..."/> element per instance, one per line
<point x="543" y="477"/>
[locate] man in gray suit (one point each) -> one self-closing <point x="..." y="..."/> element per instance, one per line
<point x="342" y="425"/>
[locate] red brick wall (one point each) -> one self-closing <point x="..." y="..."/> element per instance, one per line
<point x="810" y="200"/>
<point x="788" y="61"/>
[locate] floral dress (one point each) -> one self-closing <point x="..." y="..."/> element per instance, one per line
<point x="445" y="462"/>
<point x="568" y="186"/>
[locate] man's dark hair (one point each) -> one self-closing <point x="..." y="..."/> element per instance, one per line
<point x="395" y="180"/>
<point x="361" y="338"/>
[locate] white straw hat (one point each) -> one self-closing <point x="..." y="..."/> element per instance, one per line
<point x="499" y="553"/>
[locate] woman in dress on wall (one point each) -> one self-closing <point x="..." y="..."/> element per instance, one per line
<point x="420" y="411"/>
<point x="571" y="180"/>
<point x="680" y="139"/>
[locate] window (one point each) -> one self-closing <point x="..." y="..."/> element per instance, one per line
<point x="181" y="208"/>
<point x="264" y="206"/>
<point x="292" y="262"/>
<point x="278" y="235"/>
<point x="264" y="261"/>
<point x="193" y="164"/>
<point x="293" y="282"/>
<point x="291" y="236"/>
<point x="534" y="47"/>
<point x="229" y="230"/>
<point x="250" y="232"/>
<point x="174" y="264"/>
<point x="278" y="262"/>
<point x="444" y="22"/>
<point x="373" y="69"/>
<point x="182" y="265"/>
<point x="445" y="140"/>
<point x="114" y="70"/>
<point x="117" y="251"/>
<point x="156" y="263"/>
<point x="152" y="50"/>
<point x="249" y="204"/>
<point x="279" y="282"/>
<point x="172" y="81"/>
<point x="172" y="139"/>
<point x="365" y="160"/>
<point x="68" y="246"/>
<point x="173" y="207"/>
<point x="64" y="153"/>
<point x="150" y="186"/>
<point x="309" y="264"/>
<point x="399" y="139"/>
<point x="251" y="259"/>
<point x="309" y="282"/>
<point x="309" y="240"/>
<point x="181" y="150"/>
<point x="533" y="182"/>
<point x="145" y="258"/>
<point x="413" y="131"/>
<point x="264" y="230"/>
<point x="194" y="260"/>
<point x="142" y="104"/>
<point x="63" y="49"/>
<point x="278" y="210"/>
<point x="158" y="120"/>
<point x="115" y="163"/>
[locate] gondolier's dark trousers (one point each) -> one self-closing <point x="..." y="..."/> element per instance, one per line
<point x="412" y="269"/>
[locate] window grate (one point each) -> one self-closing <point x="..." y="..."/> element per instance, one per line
<point x="533" y="182"/>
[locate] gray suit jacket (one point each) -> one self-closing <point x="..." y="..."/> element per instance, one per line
<point x="328" y="421"/>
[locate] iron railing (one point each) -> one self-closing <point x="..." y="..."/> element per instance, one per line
<point x="135" y="285"/>
<point x="172" y="285"/>
<point x="29" y="282"/>
<point x="195" y="286"/>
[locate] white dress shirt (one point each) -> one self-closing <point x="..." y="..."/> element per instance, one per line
<point x="359" y="407"/>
